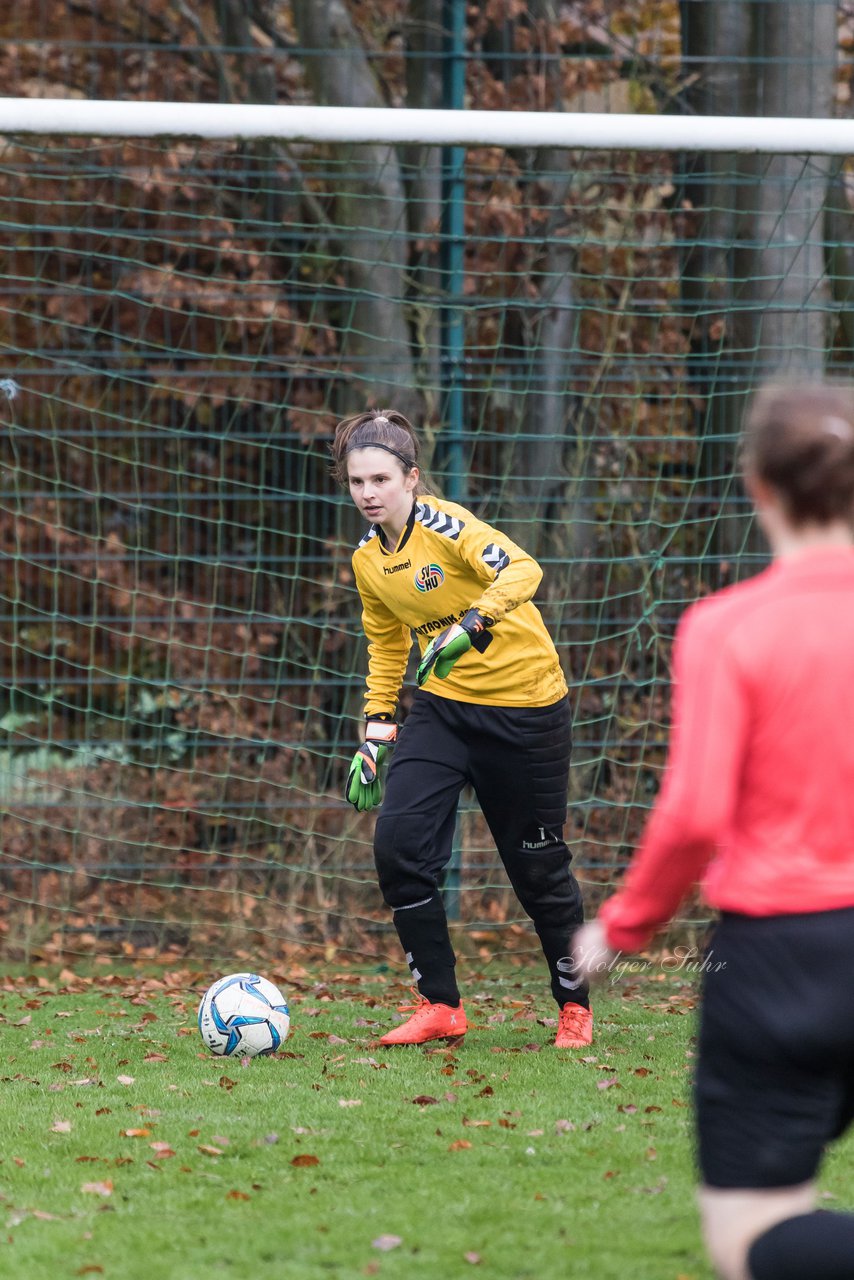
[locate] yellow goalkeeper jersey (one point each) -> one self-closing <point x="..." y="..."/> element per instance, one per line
<point x="447" y="562"/>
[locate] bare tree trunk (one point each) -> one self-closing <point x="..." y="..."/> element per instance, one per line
<point x="753" y="280"/>
<point x="370" y="214"/>
<point x="715" y="49"/>
<point x="839" y="223"/>
<point x="786" y="326"/>
<point x="423" y="181"/>
<point x="539" y="483"/>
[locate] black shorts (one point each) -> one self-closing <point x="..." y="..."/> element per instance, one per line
<point x="775" y="1077"/>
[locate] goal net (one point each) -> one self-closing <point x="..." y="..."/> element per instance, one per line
<point x="574" y="318"/>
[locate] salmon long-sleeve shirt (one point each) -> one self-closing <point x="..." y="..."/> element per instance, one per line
<point x="758" y="796"/>
<point x="445" y="563"/>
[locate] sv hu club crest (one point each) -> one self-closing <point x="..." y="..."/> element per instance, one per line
<point x="429" y="577"/>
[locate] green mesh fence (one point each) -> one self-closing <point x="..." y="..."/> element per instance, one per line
<point x="182" y="323"/>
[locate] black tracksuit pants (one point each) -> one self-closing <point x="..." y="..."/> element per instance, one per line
<point x="517" y="761"/>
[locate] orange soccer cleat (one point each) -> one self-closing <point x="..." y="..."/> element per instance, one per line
<point x="575" y="1027"/>
<point x="428" y="1022"/>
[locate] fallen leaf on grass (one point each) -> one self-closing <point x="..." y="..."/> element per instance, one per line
<point x="424" y="1100"/>
<point x="134" y="1133"/>
<point x="61" y="1126"/>
<point x="98" y="1188"/>
<point x="478" y="1124"/>
<point x="460" y="1145"/>
<point x="155" y="1057"/>
<point x="349" y="1102"/>
<point x="162" y="1150"/>
<point x="385" y="1243"/>
<point x="333" y="1039"/>
<point x="305" y="1161"/>
<point x="610" y="1083"/>
<point x="236" y="1195"/>
<point x="473" y="1258"/>
<point x="226" y="1083"/>
<point x="209" y="1151"/>
<point x="92" y="1269"/>
<point x="564" y="1126"/>
<point x="126" y="1079"/>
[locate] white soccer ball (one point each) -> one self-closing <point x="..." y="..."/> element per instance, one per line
<point x="243" y="1013"/>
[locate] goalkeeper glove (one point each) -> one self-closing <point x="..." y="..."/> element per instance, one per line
<point x="450" y="645"/>
<point x="364" y="789"/>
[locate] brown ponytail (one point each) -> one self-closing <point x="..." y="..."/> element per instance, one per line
<point x="384" y="428"/>
<point x="799" y="439"/>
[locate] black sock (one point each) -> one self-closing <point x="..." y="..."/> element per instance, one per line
<point x="567" y="988"/>
<point x="811" y="1246"/>
<point x="423" y="933"/>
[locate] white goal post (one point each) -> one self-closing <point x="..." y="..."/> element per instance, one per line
<point x="780" y="135"/>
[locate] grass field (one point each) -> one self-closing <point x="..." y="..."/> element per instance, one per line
<point x="127" y="1152"/>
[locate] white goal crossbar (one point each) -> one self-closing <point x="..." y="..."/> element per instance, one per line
<point x="102" y="119"/>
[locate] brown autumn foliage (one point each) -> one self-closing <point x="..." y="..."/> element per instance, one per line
<point x="181" y="644"/>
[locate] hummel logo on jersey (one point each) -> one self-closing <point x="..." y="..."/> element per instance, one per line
<point x="396" y="568"/>
<point x="449" y="526"/>
<point x="496" y="557"/>
<point x="429" y="577"/>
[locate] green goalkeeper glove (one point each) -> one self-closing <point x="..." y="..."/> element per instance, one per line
<point x="364" y="789"/>
<point x="450" y="645"/>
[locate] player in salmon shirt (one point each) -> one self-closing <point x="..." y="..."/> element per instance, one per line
<point x="491" y="710"/>
<point x="758" y="804"/>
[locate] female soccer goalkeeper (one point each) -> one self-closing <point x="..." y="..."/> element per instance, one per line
<point x="491" y="710"/>
<point x="759" y="801"/>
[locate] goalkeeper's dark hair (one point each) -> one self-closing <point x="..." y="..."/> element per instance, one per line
<point x="799" y="439"/>
<point x="378" y="428"/>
